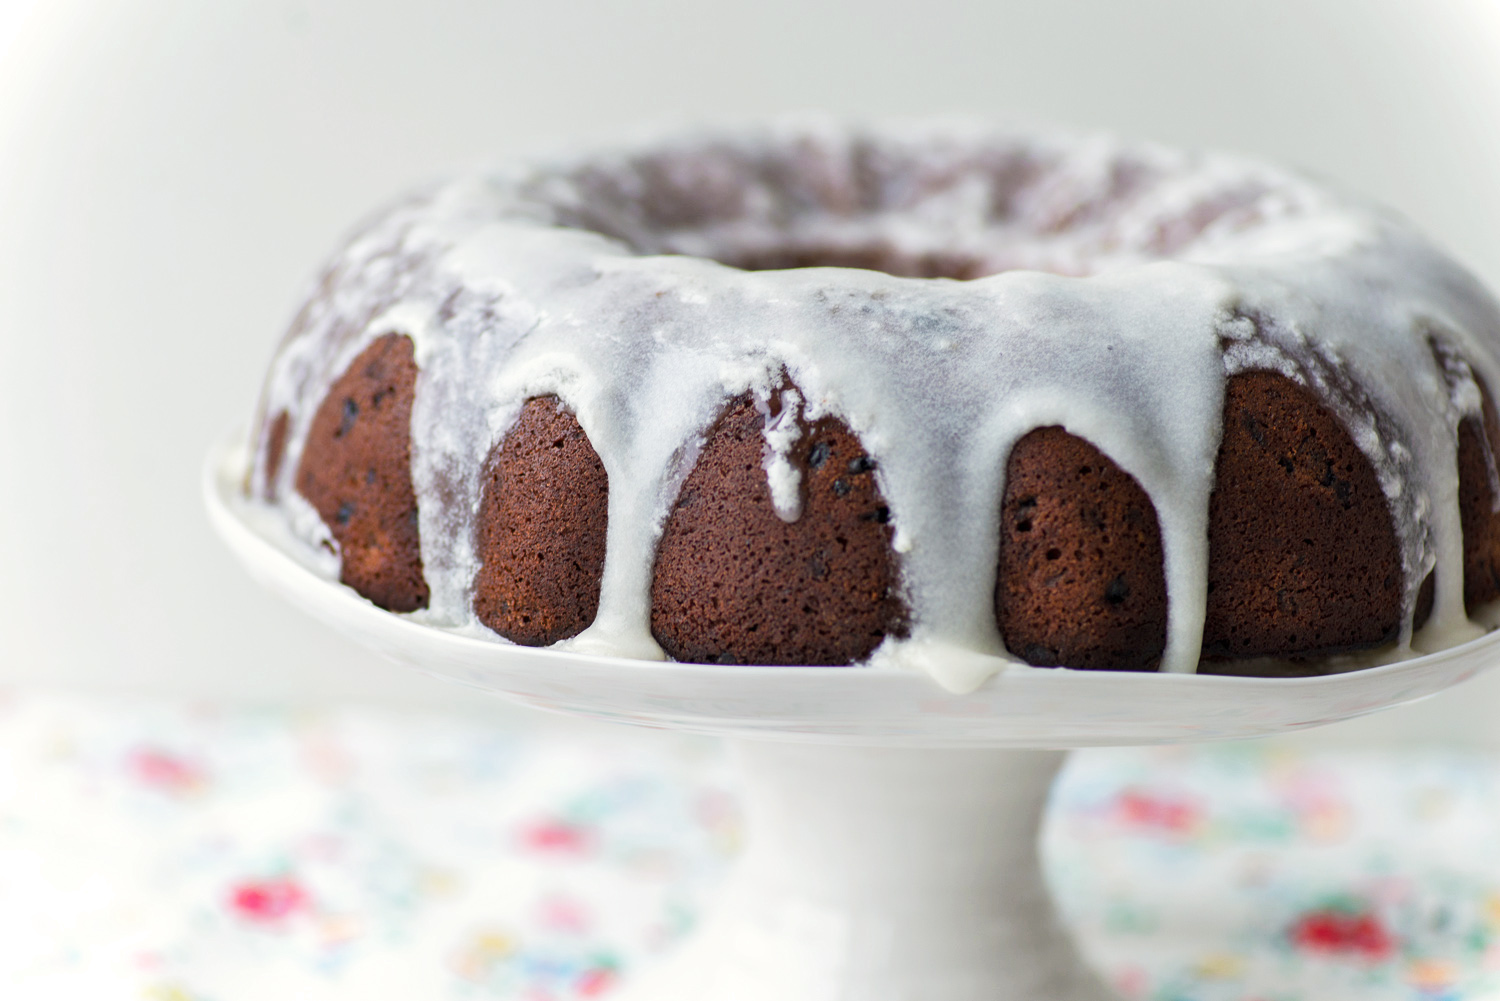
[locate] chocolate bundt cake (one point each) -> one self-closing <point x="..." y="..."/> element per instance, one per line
<point x="809" y="394"/>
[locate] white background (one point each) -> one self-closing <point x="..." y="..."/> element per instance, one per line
<point x="171" y="171"/>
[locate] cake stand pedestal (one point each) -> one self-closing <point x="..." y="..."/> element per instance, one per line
<point x="892" y="826"/>
<point x="883" y="874"/>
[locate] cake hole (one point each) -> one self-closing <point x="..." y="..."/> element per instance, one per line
<point x="954" y="210"/>
<point x="1054" y="554"/>
<point x="347" y="418"/>
<point x="877" y="257"/>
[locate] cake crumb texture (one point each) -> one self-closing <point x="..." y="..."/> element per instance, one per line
<point x="1303" y="558"/>
<point x="543" y="514"/>
<point x="1478" y="443"/>
<point x="356" y="472"/>
<point x="734" y="583"/>
<point x="1081" y="581"/>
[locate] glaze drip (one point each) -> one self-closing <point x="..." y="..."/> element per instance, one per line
<point x="1111" y="289"/>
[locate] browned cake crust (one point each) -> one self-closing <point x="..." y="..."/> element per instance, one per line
<point x="1303" y="559"/>
<point x="1477" y="444"/>
<point x="543" y="511"/>
<point x="1312" y="667"/>
<point x="275" y="451"/>
<point x="356" y="471"/>
<point x="733" y="583"/>
<point x="1081" y="580"/>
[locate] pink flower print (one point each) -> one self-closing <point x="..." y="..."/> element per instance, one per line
<point x="594" y="982"/>
<point x="1132" y="982"/>
<point x="564" y="914"/>
<point x="557" y="837"/>
<point x="166" y="772"/>
<point x="1147" y="811"/>
<point x="1339" y="932"/>
<point x="268" y="901"/>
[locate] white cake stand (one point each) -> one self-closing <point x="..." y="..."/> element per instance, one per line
<point x="892" y="826"/>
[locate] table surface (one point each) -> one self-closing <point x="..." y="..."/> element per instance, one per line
<point x="175" y="852"/>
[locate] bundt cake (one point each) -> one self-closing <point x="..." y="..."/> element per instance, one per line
<point x="922" y="396"/>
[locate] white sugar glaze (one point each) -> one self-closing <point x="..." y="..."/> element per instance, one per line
<point x="1132" y="280"/>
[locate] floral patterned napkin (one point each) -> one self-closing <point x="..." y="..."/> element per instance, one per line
<point x="157" y="851"/>
<point x="1250" y="873"/>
